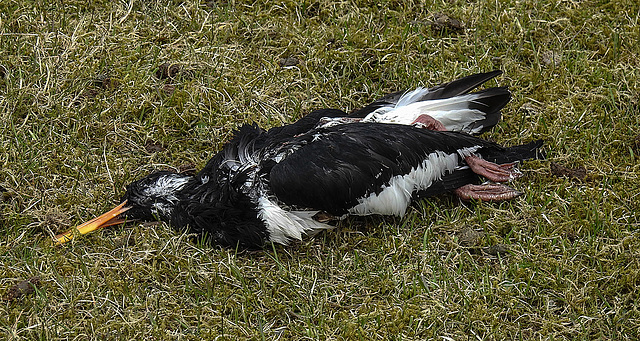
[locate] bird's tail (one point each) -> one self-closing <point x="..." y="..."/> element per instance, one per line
<point x="450" y="103"/>
<point x="522" y="152"/>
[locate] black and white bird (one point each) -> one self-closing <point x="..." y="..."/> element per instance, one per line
<point x="281" y="184"/>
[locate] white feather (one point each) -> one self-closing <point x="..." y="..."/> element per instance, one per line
<point x="412" y="96"/>
<point x="285" y="225"/>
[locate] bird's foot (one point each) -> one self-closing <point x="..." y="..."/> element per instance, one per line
<point x="428" y="122"/>
<point x="487" y="192"/>
<point x="492" y="171"/>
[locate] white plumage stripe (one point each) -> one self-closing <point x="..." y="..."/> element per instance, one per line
<point x="396" y="195"/>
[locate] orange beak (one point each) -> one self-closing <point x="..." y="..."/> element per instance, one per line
<point x="108" y="219"/>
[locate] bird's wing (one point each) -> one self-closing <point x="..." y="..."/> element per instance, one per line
<point x="335" y="169"/>
<point x="454" y="88"/>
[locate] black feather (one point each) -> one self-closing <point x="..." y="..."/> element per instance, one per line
<point x="491" y="101"/>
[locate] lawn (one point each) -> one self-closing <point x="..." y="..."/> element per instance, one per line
<point x="96" y="94"/>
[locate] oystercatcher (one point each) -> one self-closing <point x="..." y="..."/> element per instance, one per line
<point x="281" y="184"/>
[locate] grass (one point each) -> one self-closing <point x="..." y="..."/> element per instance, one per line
<point x="83" y="113"/>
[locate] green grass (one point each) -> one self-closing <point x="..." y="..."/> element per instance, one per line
<point x="82" y="114"/>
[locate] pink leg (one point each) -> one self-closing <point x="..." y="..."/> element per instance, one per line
<point x="486" y="192"/>
<point x="428" y="122"/>
<point x="492" y="171"/>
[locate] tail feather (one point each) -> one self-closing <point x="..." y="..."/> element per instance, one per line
<point x="527" y="151"/>
<point x="470" y="113"/>
<point x="459" y="86"/>
<point x="490" y="102"/>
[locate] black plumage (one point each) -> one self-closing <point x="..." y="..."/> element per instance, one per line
<point x="361" y="157"/>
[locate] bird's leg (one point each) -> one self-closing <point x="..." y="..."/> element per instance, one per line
<point x="486" y="192"/>
<point x="428" y="122"/>
<point x="492" y="171"/>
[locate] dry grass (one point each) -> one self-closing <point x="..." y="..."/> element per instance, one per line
<point x="94" y="96"/>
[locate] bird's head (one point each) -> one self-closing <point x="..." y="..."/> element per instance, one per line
<point x="155" y="196"/>
<point x="151" y="198"/>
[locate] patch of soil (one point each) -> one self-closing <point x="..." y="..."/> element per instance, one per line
<point x="23" y="288"/>
<point x="497" y="250"/>
<point x="469" y="236"/>
<point x="89" y="93"/>
<point x="168" y="71"/>
<point x="288" y="62"/>
<point x="443" y="23"/>
<point x="100" y="83"/>
<point x="558" y="170"/>
<point x="168" y="89"/>
<point x="105" y="82"/>
<point x="154" y="147"/>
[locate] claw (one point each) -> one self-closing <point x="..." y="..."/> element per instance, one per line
<point x="493" y="171"/>
<point x="487" y="192"/>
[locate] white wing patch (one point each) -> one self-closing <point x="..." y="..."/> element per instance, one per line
<point x="396" y="195"/>
<point x="454" y="112"/>
<point x="285" y="225"/>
